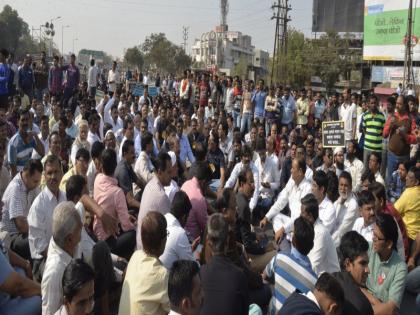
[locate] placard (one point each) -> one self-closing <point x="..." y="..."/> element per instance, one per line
<point x="333" y="134"/>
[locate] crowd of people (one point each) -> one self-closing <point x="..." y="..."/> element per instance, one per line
<point x="216" y="196"/>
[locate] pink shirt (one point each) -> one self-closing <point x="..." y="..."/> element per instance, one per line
<point x="197" y="218"/>
<point x="112" y="200"/>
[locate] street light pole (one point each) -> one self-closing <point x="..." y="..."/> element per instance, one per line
<point x="62" y="37"/>
<point x="74" y="39"/>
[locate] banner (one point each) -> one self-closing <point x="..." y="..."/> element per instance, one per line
<point x="333" y="134"/>
<point x="385" y="29"/>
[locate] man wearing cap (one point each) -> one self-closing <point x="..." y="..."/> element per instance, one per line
<point x="339" y="161"/>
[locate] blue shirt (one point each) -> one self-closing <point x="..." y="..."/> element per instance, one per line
<point x="396" y="187"/>
<point x="289" y="108"/>
<point x="185" y="150"/>
<point x="258" y="98"/>
<point x="4" y="78"/>
<point x="319" y="109"/>
<point x="19" y="152"/>
<point x="292" y="273"/>
<point x="26" y="78"/>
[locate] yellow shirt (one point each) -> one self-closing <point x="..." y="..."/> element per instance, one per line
<point x="145" y="287"/>
<point x="409" y="207"/>
<point x="66" y="177"/>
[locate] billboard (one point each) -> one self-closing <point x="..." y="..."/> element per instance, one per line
<point x="391" y="75"/>
<point x="338" y="15"/>
<point x="385" y="29"/>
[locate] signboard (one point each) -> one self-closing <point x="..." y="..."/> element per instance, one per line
<point x="385" y="29"/>
<point x="138" y="89"/>
<point x="392" y="75"/>
<point x="333" y="134"/>
<point x="153" y="91"/>
<point x="99" y="95"/>
<point x="337" y="15"/>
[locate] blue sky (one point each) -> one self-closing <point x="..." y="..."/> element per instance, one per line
<point x="113" y="25"/>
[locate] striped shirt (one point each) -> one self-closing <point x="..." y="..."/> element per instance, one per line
<point x="17" y="200"/>
<point x="292" y="273"/>
<point x="373" y="125"/>
<point x="19" y="152"/>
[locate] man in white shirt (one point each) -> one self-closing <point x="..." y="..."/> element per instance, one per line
<point x="66" y="234"/>
<point x="93" y="75"/>
<point x="177" y="244"/>
<point x="347" y="113"/>
<point x="269" y="176"/>
<point x="326" y="207"/>
<point x="346" y="208"/>
<point x="113" y="79"/>
<point x="245" y="162"/>
<point x="43" y="137"/>
<point x="144" y="167"/>
<point x="93" y="134"/>
<point x="41" y="213"/>
<point x="296" y="188"/>
<point x="364" y="224"/>
<point x="323" y="255"/>
<point x="353" y="164"/>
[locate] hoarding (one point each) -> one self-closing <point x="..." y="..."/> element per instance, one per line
<point x="385" y="29"/>
<point x="337" y="15"/>
<point x="333" y="134"/>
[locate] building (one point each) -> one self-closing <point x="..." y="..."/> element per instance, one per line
<point x="221" y="50"/>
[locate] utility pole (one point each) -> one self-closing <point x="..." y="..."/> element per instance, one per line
<point x="280" y="14"/>
<point x="408" y="62"/>
<point x="185" y="30"/>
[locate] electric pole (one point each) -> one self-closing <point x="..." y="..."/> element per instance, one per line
<point x="280" y="14"/>
<point x="408" y="62"/>
<point x="185" y="30"/>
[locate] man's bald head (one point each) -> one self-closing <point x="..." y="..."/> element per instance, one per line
<point x="153" y="233"/>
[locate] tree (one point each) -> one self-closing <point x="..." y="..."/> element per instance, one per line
<point x="161" y="54"/>
<point x="12" y="28"/>
<point x="134" y="57"/>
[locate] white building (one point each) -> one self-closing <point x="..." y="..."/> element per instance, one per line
<point x="223" y="49"/>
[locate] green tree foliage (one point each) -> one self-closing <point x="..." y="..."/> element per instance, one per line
<point x="15" y="35"/>
<point x="134" y="57"/>
<point x="330" y="57"/>
<point x="163" y="55"/>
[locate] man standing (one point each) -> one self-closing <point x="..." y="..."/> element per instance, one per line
<point x="4" y="78"/>
<point x="41" y="77"/>
<point x="258" y="100"/>
<point x="93" y="76"/>
<point x="26" y="78"/>
<point x="21" y="145"/>
<point x="353" y="164"/>
<point x="400" y="127"/>
<point x="373" y="122"/>
<point x="55" y="78"/>
<point x="289" y="109"/>
<point x="113" y="79"/>
<point x="347" y="113"/>
<point x="73" y="79"/>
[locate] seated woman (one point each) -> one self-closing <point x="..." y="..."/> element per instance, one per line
<point x="386" y="280"/>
